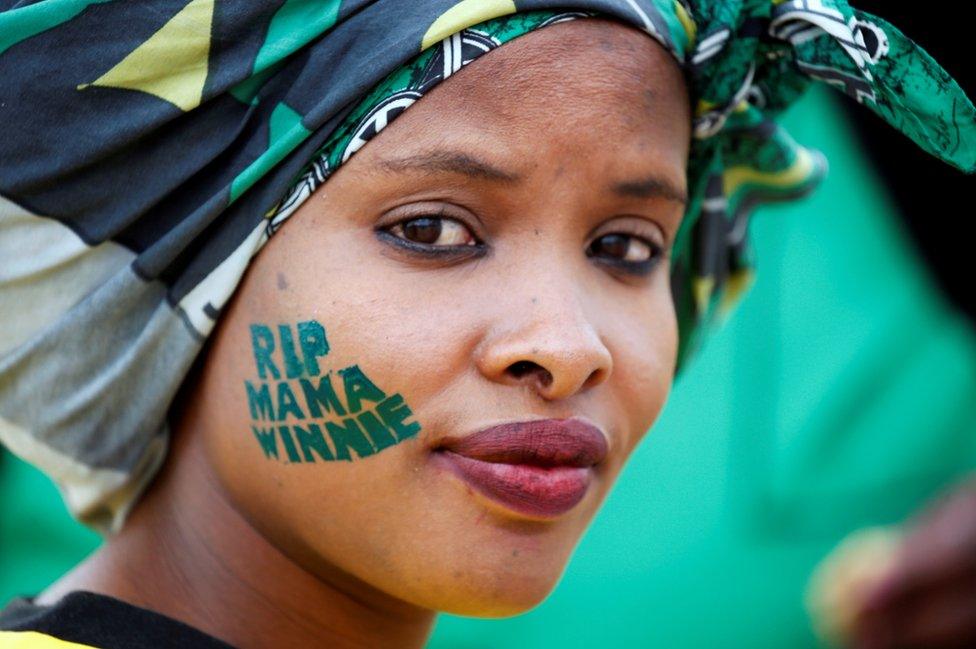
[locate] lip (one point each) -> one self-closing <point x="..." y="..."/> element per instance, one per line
<point x="541" y="468"/>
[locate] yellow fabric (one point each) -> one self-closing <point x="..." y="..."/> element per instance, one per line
<point x="35" y="640"/>
<point x="691" y="29"/>
<point x="702" y="288"/>
<point x="463" y="15"/>
<point x="173" y="63"/>
<point x="735" y="177"/>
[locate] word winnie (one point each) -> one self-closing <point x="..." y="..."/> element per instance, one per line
<point x="358" y="418"/>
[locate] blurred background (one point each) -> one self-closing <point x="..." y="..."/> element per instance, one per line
<point x="840" y="394"/>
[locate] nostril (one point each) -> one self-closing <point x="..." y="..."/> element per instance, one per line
<point x="521" y="369"/>
<point x="596" y="377"/>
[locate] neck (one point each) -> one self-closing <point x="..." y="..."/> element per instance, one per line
<point x="187" y="553"/>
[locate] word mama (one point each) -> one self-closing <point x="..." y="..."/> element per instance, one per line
<point x="329" y="417"/>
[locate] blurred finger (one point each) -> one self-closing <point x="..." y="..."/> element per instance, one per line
<point x="948" y="622"/>
<point x="936" y="619"/>
<point x="939" y="550"/>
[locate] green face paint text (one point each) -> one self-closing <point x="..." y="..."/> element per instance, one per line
<point x="301" y="415"/>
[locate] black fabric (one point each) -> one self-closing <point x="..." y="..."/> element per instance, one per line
<point x="104" y="622"/>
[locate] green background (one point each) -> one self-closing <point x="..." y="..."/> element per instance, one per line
<point x="839" y="394"/>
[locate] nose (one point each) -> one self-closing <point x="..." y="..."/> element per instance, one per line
<point x="548" y="344"/>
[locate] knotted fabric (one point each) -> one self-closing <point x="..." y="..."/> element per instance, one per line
<point x="150" y="149"/>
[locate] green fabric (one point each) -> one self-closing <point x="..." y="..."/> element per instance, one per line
<point x="785" y="433"/>
<point x="218" y="118"/>
<point x="295" y="24"/>
<point x="35" y="19"/>
<point x="740" y="157"/>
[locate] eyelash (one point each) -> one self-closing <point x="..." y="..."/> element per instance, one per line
<point x="637" y="268"/>
<point x="445" y="252"/>
<point x="478" y="249"/>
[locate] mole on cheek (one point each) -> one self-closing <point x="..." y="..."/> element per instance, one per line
<point x="307" y="415"/>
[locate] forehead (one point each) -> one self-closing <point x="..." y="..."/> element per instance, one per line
<point x="574" y="84"/>
<point x="595" y="54"/>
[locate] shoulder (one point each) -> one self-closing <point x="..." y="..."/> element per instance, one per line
<point x="83" y="620"/>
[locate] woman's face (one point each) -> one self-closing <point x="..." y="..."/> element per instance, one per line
<point x="497" y="255"/>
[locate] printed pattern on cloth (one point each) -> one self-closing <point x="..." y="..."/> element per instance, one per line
<point x="165" y="141"/>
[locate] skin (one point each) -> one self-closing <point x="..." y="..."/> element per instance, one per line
<point x="928" y="596"/>
<point x="533" y="152"/>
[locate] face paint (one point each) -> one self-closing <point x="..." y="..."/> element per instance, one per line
<point x="300" y="415"/>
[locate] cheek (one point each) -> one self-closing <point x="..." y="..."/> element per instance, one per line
<point x="402" y="330"/>
<point x="333" y="346"/>
<point x="331" y="372"/>
<point x="317" y="419"/>
<point x="398" y="326"/>
<point x="645" y="352"/>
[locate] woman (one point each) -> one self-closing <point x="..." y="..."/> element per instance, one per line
<point x="425" y="384"/>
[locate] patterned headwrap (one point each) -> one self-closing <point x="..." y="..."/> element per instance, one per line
<point x="150" y="148"/>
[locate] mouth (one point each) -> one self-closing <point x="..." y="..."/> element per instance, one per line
<point x="540" y="469"/>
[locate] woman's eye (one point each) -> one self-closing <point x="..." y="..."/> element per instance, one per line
<point x="623" y="248"/>
<point x="434" y="231"/>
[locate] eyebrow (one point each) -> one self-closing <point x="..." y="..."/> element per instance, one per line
<point x="651" y="187"/>
<point x="458" y="162"/>
<point x="451" y="162"/>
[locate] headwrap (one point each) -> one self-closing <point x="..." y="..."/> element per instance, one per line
<point x="150" y="149"/>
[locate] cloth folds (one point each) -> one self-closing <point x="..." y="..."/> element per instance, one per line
<point x="151" y="148"/>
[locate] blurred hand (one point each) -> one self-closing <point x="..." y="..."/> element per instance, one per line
<point x="927" y="597"/>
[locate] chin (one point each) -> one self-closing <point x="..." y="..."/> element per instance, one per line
<point x="484" y="605"/>
<point x="496" y="594"/>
